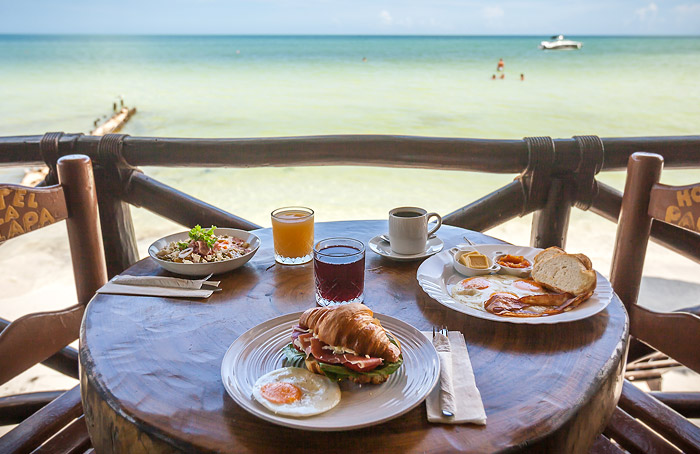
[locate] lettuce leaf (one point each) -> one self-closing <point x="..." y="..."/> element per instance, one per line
<point x="295" y="358"/>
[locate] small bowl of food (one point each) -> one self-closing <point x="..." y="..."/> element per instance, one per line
<point x="515" y="265"/>
<point x="470" y="262"/>
<point x="201" y="252"/>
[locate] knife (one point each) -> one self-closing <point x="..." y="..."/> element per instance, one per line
<point x="447" y="395"/>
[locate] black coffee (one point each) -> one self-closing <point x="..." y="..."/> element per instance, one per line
<point x="407" y="214"/>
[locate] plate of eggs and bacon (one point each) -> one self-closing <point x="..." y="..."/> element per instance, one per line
<point x="515" y="284"/>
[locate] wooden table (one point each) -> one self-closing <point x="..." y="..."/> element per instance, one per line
<point x="150" y="374"/>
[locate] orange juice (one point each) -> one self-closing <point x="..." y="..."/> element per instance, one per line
<point x="293" y="234"/>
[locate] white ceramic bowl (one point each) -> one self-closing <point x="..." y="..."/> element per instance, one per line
<point x="519" y="272"/>
<point x="465" y="270"/>
<point x="205" y="269"/>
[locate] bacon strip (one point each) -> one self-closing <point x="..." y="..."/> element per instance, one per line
<point x="505" y="304"/>
<point x="547" y="299"/>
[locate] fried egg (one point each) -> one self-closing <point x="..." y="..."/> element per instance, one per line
<point x="475" y="291"/>
<point x="293" y="391"/>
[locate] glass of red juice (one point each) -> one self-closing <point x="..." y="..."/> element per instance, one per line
<point x="339" y="269"/>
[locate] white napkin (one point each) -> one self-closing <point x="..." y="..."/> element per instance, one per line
<point x="158" y="286"/>
<point x="163" y="281"/>
<point x="470" y="408"/>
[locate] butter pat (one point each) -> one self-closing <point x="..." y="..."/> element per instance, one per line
<point x="475" y="260"/>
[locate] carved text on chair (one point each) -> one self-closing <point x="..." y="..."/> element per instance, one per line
<point x="24" y="209"/>
<point x="678" y="205"/>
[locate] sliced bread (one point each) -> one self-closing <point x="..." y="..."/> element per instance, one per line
<point x="548" y="253"/>
<point x="562" y="272"/>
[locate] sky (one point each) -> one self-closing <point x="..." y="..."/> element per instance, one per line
<point x="353" y="17"/>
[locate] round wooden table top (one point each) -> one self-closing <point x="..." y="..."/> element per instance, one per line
<point x="151" y="382"/>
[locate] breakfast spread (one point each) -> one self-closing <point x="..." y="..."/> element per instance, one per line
<point x="558" y="282"/>
<point x="204" y="247"/>
<point x="344" y="342"/>
<point x="293" y="391"/>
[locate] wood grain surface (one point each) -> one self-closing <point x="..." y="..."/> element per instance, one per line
<point x="151" y="381"/>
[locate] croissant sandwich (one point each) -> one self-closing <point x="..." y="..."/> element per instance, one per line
<point x="344" y="342"/>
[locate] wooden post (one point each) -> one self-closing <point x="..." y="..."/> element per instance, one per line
<point x="634" y="226"/>
<point x="550" y="224"/>
<point x="115" y="217"/>
<point x="83" y="223"/>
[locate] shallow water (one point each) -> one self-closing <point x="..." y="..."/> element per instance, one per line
<point x="252" y="86"/>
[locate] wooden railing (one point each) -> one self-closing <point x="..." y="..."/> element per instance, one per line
<point x="554" y="175"/>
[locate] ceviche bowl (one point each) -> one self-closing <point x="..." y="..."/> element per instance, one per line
<point x="204" y="268"/>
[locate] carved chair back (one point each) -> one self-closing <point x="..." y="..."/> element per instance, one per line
<point x="676" y="334"/>
<point x="34" y="337"/>
<point x="642" y="422"/>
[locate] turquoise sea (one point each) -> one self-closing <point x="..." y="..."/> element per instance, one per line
<point x="251" y="86"/>
<point x="246" y="86"/>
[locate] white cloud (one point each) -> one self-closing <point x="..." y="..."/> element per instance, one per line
<point x="386" y="17"/>
<point x="648" y="11"/>
<point x="492" y="12"/>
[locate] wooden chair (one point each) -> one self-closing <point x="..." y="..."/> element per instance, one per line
<point x="653" y="422"/>
<point x="36" y="337"/>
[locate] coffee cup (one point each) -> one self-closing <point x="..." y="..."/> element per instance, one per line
<point x="408" y="229"/>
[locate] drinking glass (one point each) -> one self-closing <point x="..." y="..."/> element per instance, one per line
<point x="339" y="269"/>
<point x="293" y="235"/>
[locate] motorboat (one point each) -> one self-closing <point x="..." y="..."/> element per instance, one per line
<point x="558" y="42"/>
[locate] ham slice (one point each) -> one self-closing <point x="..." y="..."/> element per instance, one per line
<point x="325" y="356"/>
<point x="311" y="346"/>
<point x="303" y="343"/>
<point x="362" y="362"/>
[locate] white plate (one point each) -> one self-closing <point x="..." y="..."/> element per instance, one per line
<point x="381" y="247"/>
<point x="258" y="351"/>
<point x="437" y="276"/>
<point x="205" y="269"/>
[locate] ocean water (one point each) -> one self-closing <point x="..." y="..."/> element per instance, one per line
<point x="248" y="86"/>
<point x="253" y="86"/>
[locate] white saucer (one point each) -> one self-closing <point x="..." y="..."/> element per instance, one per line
<point x="381" y="247"/>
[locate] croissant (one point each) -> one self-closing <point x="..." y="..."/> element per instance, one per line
<point x="351" y="326"/>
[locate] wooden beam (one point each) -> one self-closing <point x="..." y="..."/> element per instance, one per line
<point x="74" y="439"/>
<point x="635" y="437"/>
<point x="177" y="206"/>
<point x="15" y="409"/>
<point x="43" y="424"/>
<point x="662" y="419"/>
<point x="687" y="404"/>
<point x="491" y="210"/>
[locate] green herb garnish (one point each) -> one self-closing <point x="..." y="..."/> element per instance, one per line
<point x="200" y="234"/>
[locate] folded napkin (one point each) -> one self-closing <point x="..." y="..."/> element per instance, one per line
<point x="160" y="286"/>
<point x="469" y="407"/>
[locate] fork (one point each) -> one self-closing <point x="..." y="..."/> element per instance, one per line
<point x="445" y="354"/>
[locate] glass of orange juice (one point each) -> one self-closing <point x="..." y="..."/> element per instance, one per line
<point x="293" y="235"/>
